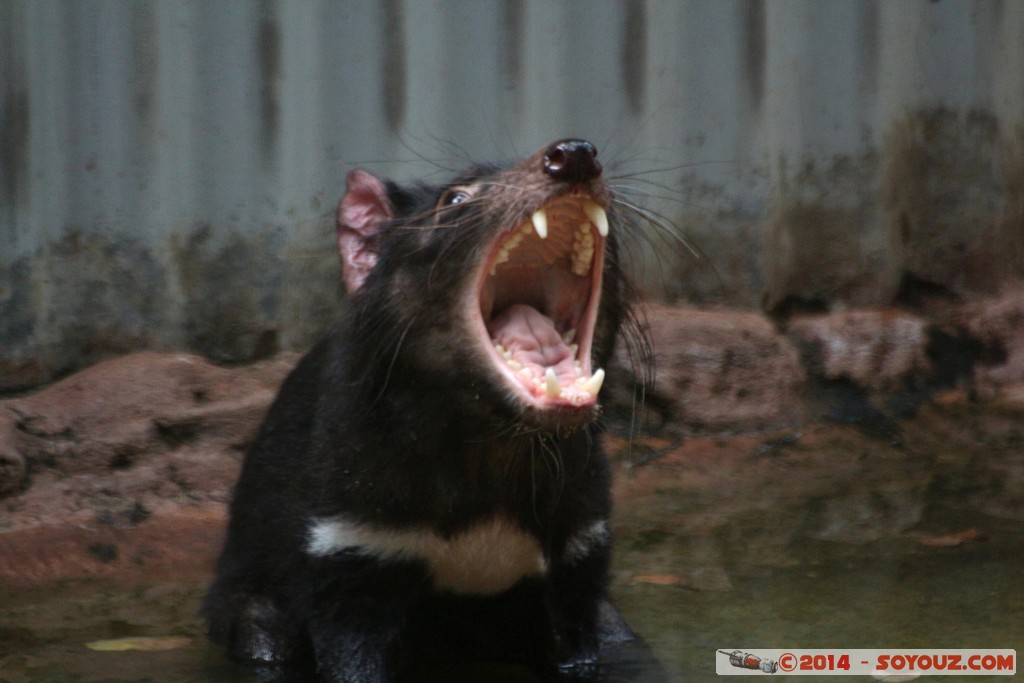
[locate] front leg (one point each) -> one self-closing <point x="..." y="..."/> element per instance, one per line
<point x="578" y="585"/>
<point x="357" y="614"/>
<point x="356" y="648"/>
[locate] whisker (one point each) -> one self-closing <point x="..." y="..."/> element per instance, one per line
<point x="665" y="226"/>
<point x="677" y="167"/>
<point x="643" y="189"/>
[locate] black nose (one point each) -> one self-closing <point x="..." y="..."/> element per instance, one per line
<point x="573" y="161"/>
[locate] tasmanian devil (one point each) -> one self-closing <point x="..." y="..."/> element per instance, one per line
<point x="429" y="482"/>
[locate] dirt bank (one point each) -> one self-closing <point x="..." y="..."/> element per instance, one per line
<point x="123" y="470"/>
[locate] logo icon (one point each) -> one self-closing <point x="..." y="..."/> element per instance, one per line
<point x="745" y="660"/>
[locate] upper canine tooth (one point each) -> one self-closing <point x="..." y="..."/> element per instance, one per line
<point x="540" y="223"/>
<point x="593" y="385"/>
<point x="598" y="216"/>
<point x="552" y="388"/>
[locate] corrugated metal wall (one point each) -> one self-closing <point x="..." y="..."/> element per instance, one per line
<point x="168" y="168"/>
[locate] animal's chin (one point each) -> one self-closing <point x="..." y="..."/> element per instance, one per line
<point x="536" y="303"/>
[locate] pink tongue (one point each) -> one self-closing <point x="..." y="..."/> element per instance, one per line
<point x="532" y="339"/>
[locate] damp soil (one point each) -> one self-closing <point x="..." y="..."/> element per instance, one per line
<point x="831" y="536"/>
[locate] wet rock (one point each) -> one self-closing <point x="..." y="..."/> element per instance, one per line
<point x="999" y="323"/>
<point x="143" y="431"/>
<point x="870" y="368"/>
<point x="876" y="350"/>
<point x="13" y="470"/>
<point x="722" y="370"/>
<point x="13" y="467"/>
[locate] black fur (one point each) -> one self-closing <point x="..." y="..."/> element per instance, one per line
<point x="393" y="420"/>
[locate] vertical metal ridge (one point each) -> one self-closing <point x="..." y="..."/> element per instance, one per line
<point x="633" y="48"/>
<point x="15" y="117"/>
<point x="268" y="55"/>
<point x="393" y="73"/>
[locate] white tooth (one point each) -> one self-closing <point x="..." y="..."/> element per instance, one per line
<point x="551" y="386"/>
<point x="581" y="261"/>
<point x="597" y="216"/>
<point x="569" y="336"/>
<point x="540" y="223"/>
<point x="593" y="385"/>
<point x="514" y="364"/>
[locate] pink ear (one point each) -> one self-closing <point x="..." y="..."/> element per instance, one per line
<point x="361" y="212"/>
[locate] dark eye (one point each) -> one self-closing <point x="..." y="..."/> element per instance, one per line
<point x="453" y="197"/>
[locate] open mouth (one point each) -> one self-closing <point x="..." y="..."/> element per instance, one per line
<point x="538" y="294"/>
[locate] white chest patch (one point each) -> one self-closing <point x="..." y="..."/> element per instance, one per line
<point x="485" y="559"/>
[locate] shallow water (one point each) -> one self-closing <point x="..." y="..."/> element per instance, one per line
<point x="885" y="594"/>
<point x="827" y="538"/>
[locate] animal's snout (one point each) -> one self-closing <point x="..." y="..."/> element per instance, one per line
<point x="573" y="161"/>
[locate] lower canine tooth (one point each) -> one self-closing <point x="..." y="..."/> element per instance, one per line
<point x="540" y="223"/>
<point x="552" y="389"/>
<point x="593" y="385"/>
